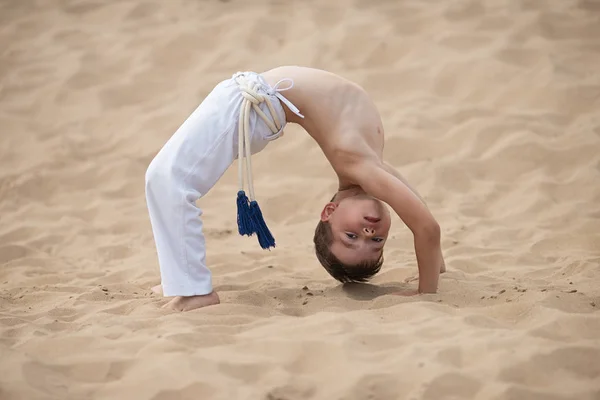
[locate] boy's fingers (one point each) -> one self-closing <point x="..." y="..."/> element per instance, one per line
<point x="407" y="292"/>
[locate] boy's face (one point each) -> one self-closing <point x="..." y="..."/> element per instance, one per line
<point x="360" y="225"/>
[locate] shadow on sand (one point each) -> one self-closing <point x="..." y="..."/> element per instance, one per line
<point x="367" y="291"/>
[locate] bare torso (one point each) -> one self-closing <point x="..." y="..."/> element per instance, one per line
<point x="338" y="114"/>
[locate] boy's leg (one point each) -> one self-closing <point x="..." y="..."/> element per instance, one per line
<point x="189" y="164"/>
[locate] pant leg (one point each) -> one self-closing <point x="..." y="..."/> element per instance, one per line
<point x="184" y="170"/>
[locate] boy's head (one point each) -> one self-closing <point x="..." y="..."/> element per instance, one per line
<point x="350" y="236"/>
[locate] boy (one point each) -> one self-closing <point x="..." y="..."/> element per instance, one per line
<point x="239" y="117"/>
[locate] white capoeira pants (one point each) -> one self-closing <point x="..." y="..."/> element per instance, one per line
<point x="188" y="166"/>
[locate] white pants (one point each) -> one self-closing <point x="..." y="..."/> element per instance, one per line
<point x="185" y="169"/>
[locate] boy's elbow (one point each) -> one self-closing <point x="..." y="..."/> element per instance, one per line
<point x="430" y="231"/>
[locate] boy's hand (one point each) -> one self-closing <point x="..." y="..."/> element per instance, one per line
<point x="416" y="277"/>
<point x="407" y="292"/>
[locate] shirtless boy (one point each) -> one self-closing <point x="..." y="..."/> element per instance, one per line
<point x="342" y="119"/>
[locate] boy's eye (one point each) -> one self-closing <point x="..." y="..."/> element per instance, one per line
<point x="378" y="240"/>
<point x="351" y="235"/>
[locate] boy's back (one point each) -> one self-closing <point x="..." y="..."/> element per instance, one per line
<point x="338" y="113"/>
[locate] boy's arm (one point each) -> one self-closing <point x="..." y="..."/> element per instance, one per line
<point x="394" y="172"/>
<point x="376" y="180"/>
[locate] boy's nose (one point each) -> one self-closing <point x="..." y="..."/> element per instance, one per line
<point x="369" y="231"/>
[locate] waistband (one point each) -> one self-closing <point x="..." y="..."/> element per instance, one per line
<point x="262" y="87"/>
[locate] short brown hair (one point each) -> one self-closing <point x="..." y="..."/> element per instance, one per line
<point x="344" y="273"/>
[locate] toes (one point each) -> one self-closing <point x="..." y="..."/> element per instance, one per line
<point x="173" y="305"/>
<point x="157" y="289"/>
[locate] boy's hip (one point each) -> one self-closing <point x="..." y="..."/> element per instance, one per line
<point x="230" y="95"/>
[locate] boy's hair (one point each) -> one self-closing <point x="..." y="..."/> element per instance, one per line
<point x="344" y="273"/>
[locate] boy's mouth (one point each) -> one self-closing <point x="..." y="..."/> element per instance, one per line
<point x="373" y="220"/>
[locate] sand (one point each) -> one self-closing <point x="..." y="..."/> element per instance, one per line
<point x="491" y="110"/>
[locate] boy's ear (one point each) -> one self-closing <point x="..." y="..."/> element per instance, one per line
<point x="328" y="211"/>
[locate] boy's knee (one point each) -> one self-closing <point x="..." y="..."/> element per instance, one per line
<point x="151" y="178"/>
<point x="157" y="179"/>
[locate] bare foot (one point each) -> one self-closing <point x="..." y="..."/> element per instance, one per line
<point x="157" y="289"/>
<point x="188" y="303"/>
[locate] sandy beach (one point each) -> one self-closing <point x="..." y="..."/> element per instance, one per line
<point x="491" y="110"/>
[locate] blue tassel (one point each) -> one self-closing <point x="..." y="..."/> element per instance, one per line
<point x="243" y="214"/>
<point x="265" y="239"/>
